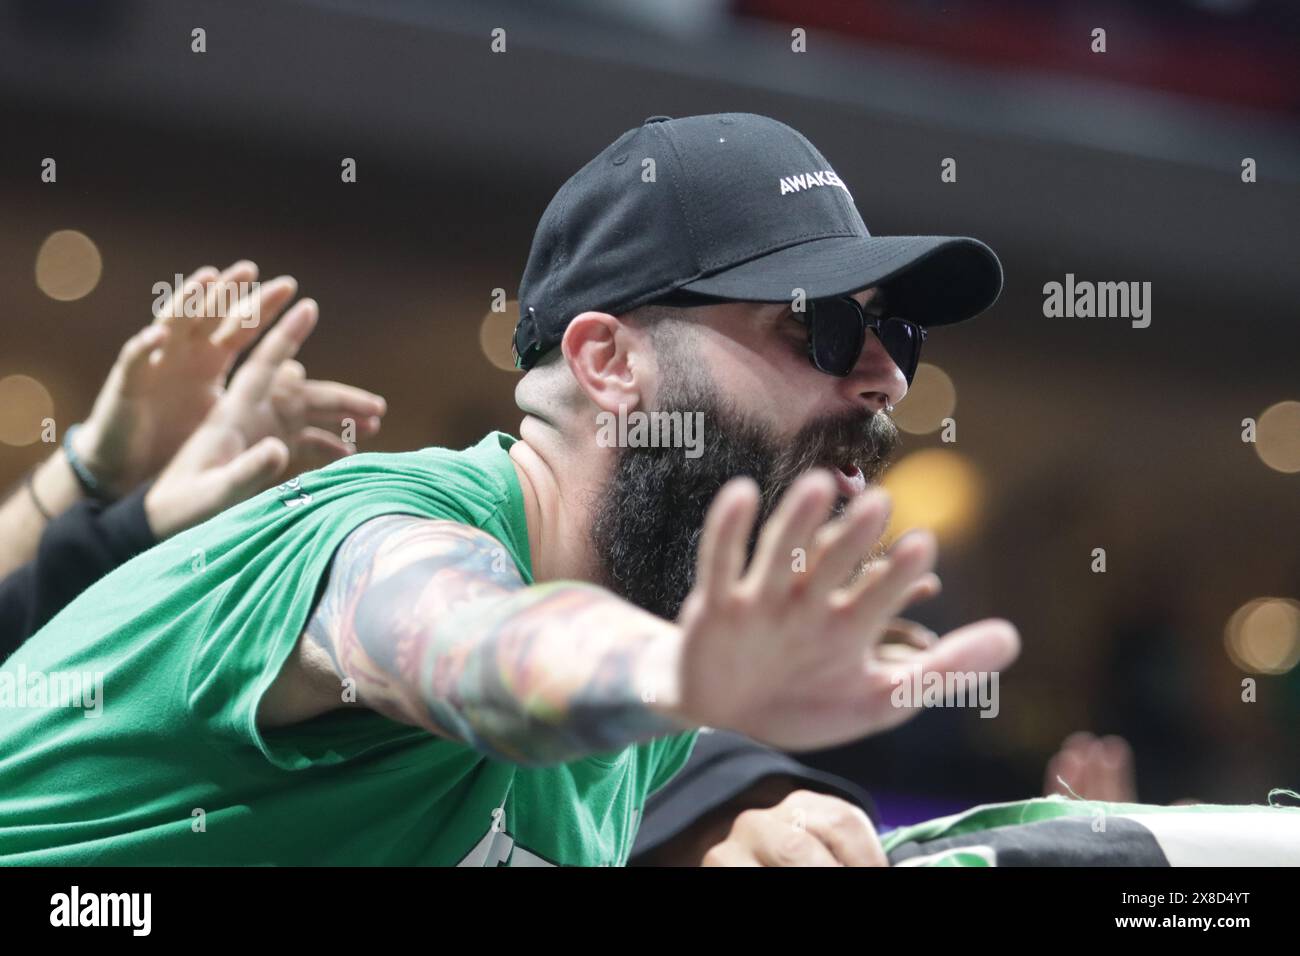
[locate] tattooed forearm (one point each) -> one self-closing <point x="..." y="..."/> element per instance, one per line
<point x="435" y="626"/>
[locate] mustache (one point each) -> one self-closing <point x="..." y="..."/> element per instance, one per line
<point x="867" y="440"/>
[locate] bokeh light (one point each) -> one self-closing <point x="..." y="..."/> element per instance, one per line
<point x="24" y="403"/>
<point x="936" y="489"/>
<point x="68" y="265"/>
<point x="931" y="398"/>
<point x="1263" y="636"/>
<point x="1277" y="437"/>
<point x="496" y="335"/>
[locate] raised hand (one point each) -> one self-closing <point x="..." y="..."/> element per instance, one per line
<point x="792" y="657"/>
<point x="269" y="419"/>
<point x="168" y="377"/>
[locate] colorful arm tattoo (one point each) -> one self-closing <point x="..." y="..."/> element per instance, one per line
<point x="435" y="627"/>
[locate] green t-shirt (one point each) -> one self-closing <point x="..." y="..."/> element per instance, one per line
<point x="165" y="764"/>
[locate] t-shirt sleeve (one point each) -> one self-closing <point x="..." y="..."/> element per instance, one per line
<point x="269" y="558"/>
<point x="669" y="756"/>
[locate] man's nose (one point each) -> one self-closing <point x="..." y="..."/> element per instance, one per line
<point x="876" y="381"/>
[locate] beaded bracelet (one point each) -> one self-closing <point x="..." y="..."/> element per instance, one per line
<point x="89" y="483"/>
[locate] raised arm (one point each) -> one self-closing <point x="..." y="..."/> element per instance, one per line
<point x="430" y="623"/>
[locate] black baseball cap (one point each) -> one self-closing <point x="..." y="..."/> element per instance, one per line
<point x="722" y="766"/>
<point x="730" y="206"/>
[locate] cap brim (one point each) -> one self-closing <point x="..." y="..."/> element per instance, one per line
<point x="931" y="280"/>
<point x="698" y="790"/>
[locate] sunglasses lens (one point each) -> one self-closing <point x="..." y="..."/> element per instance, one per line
<point x="902" y="340"/>
<point x="837" y="336"/>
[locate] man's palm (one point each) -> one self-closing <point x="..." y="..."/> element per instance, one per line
<point x="788" y="651"/>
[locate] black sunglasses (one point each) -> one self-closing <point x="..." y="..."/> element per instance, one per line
<point x="837" y="331"/>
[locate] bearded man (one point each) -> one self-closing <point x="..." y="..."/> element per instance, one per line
<point x="495" y="655"/>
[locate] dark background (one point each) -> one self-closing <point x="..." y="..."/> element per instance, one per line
<point x="1083" y="433"/>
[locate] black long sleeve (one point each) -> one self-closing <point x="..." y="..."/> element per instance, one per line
<point x="78" y="548"/>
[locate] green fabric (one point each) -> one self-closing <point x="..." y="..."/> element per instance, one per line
<point x="189" y="635"/>
<point x="991" y="817"/>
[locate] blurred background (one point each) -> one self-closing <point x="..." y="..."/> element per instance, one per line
<point x="1072" y="434"/>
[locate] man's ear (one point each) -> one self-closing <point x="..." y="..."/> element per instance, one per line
<point x="608" y="359"/>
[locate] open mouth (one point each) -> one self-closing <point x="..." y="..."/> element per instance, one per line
<point x="848" y="477"/>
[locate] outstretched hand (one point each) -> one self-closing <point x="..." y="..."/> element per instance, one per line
<point x="789" y="652"/>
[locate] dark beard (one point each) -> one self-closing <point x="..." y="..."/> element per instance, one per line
<point x="647" y="522"/>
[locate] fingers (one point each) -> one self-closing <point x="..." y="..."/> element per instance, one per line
<point x="985" y="647"/>
<point x="1064" y="773"/>
<point x="133" y="359"/>
<point x="728" y="853"/>
<point x="331" y="406"/>
<point x="1072" y="772"/>
<point x="239" y="317"/>
<point x="173" y="311"/>
<point x="780" y="837"/>
<point x="367" y="427"/>
<point x="842" y="828"/>
<point x="192" y="488"/>
<point x="802" y="509"/>
<point x="254" y="312"/>
<point x="841" y="545"/>
<point x="927" y="587"/>
<point x="324" y="444"/>
<point x="902" y="631"/>
<point x="1117" y="770"/>
<point x="724" y="539"/>
<point x="1093" y="768"/>
<point x="251" y="471"/>
<point x="988" y="645"/>
<point x="327" y="403"/>
<point x="222" y="294"/>
<point x="924" y="587"/>
<point x="883" y="591"/>
<point x="290" y="374"/>
<point x="805" y="829"/>
<point x="284" y="340"/>
<point x="281" y="343"/>
<point x="903" y="639"/>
